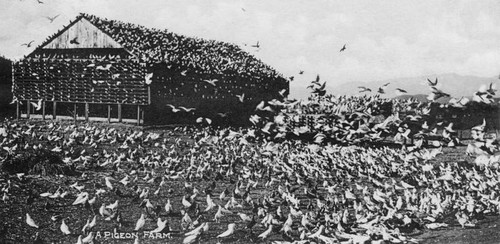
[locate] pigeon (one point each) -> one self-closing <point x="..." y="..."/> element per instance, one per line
<point x="30" y="221"/>
<point x="241" y="97"/>
<point x="37" y="105"/>
<point x="364" y="89"/>
<point x="74" y="41"/>
<point x="432" y="84"/>
<point x="64" y="228"/>
<point x="211" y="81"/>
<point x="140" y="222"/>
<point x="174" y="109"/>
<point x="51" y="19"/>
<point x="27" y="44"/>
<point x="148" y="78"/>
<point x="228" y="232"/>
<point x="343" y="48"/>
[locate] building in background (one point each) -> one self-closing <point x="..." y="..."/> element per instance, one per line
<point x="96" y="67"/>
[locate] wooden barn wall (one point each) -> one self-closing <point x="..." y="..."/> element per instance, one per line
<point x="81" y="53"/>
<point x="81" y="81"/>
<point x="87" y="36"/>
<point x="191" y="90"/>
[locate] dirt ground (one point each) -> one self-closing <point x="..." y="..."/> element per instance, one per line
<point x="48" y="213"/>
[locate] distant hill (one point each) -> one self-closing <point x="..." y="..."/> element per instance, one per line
<point x="418" y="97"/>
<point x="454" y="84"/>
<point x="423" y="98"/>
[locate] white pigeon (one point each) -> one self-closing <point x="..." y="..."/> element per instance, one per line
<point x="228" y="232"/>
<point x="30" y="221"/>
<point x="266" y="233"/>
<point x="81" y="198"/>
<point x="37" y="105"/>
<point x="196" y="231"/>
<point x="168" y="207"/>
<point x="148" y="78"/>
<point x="161" y="226"/>
<point x="103" y="212"/>
<point x="64" y="228"/>
<point x="317" y="233"/>
<point x="79" y="241"/>
<point x="90" y="224"/>
<point x="113" y="205"/>
<point x="88" y="238"/>
<point x="140" y="222"/>
<point x="108" y="182"/>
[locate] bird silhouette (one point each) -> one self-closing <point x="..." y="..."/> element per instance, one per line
<point x="211" y="81"/>
<point x="381" y="89"/>
<point x="343" y="48"/>
<point x="364" y="89"/>
<point x="140" y="222"/>
<point x="74" y="41"/>
<point x="37" y="105"/>
<point x="27" y="44"/>
<point x="436" y="94"/>
<point x="51" y="19"/>
<point x="400" y="91"/>
<point x="64" y="228"/>
<point x="174" y="109"/>
<point x="430" y="83"/>
<point x="104" y="67"/>
<point x="228" y="232"/>
<point x="187" y="110"/>
<point x="148" y="78"/>
<point x="30" y="221"/>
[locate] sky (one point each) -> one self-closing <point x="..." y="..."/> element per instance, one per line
<point x="385" y="39"/>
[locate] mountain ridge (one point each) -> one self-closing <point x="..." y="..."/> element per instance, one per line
<point x="454" y="84"/>
<point x="451" y="83"/>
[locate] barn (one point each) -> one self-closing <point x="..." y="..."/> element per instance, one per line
<point x="100" y="68"/>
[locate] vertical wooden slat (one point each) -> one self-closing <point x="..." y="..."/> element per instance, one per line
<point x="119" y="112"/>
<point x="142" y="115"/>
<point x="149" y="95"/>
<point x="109" y="113"/>
<point x="54" y="110"/>
<point x="18" y="110"/>
<point x="28" y="105"/>
<point x="43" y="110"/>
<point x="87" y="112"/>
<point x="138" y="115"/>
<point x="74" y="112"/>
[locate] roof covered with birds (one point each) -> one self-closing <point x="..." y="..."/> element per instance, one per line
<point x="156" y="46"/>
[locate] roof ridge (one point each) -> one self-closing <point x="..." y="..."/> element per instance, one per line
<point x="86" y="17"/>
<point x="58" y="33"/>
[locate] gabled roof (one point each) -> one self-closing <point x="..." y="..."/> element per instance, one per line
<point x="155" y="46"/>
<point x="82" y="34"/>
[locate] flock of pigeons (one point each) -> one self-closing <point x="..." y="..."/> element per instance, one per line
<point x="190" y="183"/>
<point x="107" y="81"/>
<point x="368" y="118"/>
<point x="197" y="54"/>
<point x="199" y="184"/>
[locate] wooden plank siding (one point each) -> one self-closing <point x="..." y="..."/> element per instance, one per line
<point x="105" y="70"/>
<point x="87" y="35"/>
<point x="75" y="81"/>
